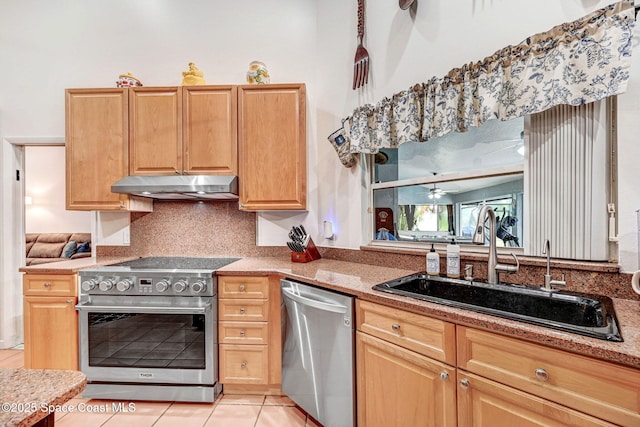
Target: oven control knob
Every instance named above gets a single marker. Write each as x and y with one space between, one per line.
162 285
180 286
89 285
198 286
125 284
106 284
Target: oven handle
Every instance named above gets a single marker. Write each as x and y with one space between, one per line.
143 310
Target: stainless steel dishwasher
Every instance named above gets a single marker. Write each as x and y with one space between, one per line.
318 362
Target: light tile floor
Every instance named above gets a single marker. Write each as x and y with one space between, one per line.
227 411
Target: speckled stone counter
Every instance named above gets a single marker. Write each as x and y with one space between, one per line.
358 279
72 266
28 395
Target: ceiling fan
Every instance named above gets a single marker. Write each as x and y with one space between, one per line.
435 192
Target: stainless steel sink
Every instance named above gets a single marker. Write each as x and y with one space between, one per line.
584 314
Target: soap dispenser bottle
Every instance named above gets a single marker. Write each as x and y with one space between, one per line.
433 262
453 260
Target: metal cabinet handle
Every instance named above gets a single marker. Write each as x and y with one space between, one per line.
242 310
444 376
464 383
69 301
242 333
541 374
47 285
177 171
395 327
243 365
242 288
184 172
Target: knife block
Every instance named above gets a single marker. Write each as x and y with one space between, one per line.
310 254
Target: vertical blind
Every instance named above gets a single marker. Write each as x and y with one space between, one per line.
567 181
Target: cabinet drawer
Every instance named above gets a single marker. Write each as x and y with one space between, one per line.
50 285
244 309
595 387
243 332
244 364
256 287
430 337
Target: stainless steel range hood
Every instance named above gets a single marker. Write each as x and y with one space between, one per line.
180 187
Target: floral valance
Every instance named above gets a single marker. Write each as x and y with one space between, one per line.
573 63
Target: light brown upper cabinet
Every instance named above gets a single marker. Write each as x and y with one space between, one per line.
97 150
187 130
210 130
155 131
272 147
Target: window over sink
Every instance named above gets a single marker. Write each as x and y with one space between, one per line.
548 175
430 192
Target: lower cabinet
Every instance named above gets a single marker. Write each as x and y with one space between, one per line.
485 403
398 387
406 377
595 387
402 378
249 334
50 322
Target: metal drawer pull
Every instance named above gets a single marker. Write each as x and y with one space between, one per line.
464 383
47 285
395 327
242 310
243 365
242 288
69 301
444 376
242 333
541 374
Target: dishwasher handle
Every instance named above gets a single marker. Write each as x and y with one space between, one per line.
320 305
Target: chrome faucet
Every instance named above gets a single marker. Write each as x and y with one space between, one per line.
493 267
549 283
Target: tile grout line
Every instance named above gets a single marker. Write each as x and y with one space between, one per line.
162 414
259 413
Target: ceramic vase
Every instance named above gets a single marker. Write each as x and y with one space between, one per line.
257 73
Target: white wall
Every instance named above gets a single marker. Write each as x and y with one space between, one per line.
44 181
408 47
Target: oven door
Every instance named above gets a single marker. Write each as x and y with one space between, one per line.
150 339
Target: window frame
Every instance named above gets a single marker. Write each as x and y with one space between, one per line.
369 237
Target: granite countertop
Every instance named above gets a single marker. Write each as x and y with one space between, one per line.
29 395
358 279
72 266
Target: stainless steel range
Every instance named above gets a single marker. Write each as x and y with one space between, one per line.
148 329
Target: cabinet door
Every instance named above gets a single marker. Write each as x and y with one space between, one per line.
96 148
484 403
50 333
210 123
155 131
272 147
397 387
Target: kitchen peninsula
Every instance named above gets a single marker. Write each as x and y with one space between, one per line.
31 396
